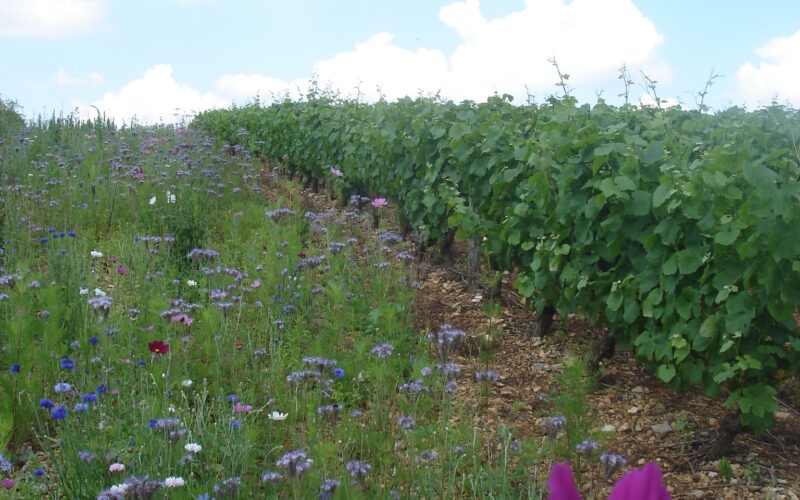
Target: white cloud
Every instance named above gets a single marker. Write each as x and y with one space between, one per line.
93 79
777 76
377 66
49 18
155 97
241 87
589 39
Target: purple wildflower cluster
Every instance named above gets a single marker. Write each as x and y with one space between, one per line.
295 463
554 424
133 487
358 470
487 376
322 365
198 253
445 341
303 376
415 388
171 427
383 350
406 422
280 213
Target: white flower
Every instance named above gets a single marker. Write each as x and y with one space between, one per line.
153 200
276 415
170 197
192 447
191 282
95 254
83 291
174 482
186 383
119 489
99 293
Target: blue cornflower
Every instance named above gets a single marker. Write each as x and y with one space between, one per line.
101 389
62 387
94 340
81 407
46 403
338 372
58 413
233 398
234 424
67 363
89 398
38 472
43 240
71 234
15 368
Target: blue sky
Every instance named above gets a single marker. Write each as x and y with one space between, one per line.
148 57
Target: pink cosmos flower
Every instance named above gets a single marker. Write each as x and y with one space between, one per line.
379 202
336 172
255 284
637 484
116 467
182 318
240 408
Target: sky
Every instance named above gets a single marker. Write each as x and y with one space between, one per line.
164 60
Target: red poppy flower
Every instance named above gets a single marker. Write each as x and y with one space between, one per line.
158 347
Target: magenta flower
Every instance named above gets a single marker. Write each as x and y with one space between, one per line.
9 483
561 484
379 202
121 270
639 483
336 172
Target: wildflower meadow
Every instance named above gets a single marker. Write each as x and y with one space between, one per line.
176 325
